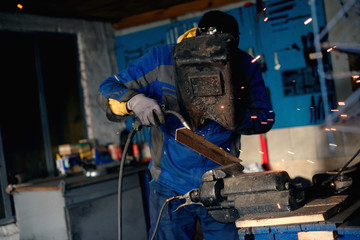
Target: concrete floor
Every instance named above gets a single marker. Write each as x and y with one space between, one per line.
9 232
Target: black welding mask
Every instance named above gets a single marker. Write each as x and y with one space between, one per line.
205 74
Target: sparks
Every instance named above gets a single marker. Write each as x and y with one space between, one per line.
278 205
329 49
261 152
343 115
355 77
265 19
289 152
310 161
334 110
222 107
264 123
19 6
332 144
308 21
253 117
255 59
341 103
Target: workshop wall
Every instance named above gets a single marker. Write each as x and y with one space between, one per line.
301 151
305 150
345 28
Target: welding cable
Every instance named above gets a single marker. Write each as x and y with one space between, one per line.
332 179
135 128
160 213
186 125
178 115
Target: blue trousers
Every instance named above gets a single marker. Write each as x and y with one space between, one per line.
182 224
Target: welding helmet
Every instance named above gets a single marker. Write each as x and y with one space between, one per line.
205 72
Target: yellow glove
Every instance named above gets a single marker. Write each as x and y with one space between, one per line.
118 108
187 34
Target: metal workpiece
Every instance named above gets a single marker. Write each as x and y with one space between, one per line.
205 80
205 147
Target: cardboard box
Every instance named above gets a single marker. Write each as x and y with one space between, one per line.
84 149
92 142
67 149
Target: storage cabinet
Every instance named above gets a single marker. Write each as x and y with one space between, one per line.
80 208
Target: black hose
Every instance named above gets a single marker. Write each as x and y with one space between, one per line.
178 115
344 167
135 128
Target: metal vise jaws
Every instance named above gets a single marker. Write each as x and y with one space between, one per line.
228 194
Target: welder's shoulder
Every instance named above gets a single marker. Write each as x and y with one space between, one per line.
244 56
247 64
163 54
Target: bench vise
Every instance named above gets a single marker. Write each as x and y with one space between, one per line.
228 194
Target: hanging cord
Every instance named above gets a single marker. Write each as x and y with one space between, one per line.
160 213
178 115
332 179
135 128
186 125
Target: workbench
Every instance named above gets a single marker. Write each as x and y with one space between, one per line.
325 218
81 207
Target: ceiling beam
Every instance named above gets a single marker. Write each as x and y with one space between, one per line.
171 12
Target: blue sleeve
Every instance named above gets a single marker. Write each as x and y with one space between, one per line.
139 77
259 116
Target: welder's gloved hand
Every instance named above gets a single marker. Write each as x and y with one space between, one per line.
118 108
147 110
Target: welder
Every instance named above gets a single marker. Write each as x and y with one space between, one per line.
151 83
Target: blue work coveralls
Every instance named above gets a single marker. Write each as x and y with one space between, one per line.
175 168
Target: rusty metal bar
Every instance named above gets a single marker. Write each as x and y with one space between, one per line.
205 147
